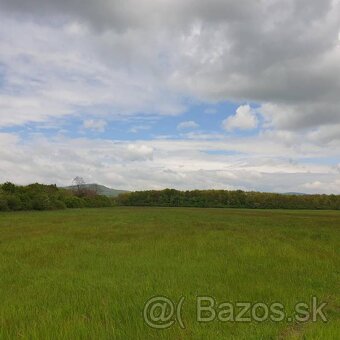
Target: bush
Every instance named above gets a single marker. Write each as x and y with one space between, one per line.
41 202
3 204
74 202
59 205
9 187
98 201
26 201
14 202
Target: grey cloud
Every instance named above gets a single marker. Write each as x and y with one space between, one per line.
326 134
122 15
280 52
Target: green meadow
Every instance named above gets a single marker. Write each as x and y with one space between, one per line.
88 273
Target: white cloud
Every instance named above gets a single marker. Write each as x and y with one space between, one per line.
96 125
321 187
52 73
136 152
249 164
190 124
244 119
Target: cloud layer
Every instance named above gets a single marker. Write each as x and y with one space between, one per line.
106 61
253 164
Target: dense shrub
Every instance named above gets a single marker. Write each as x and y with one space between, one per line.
47 197
3 204
41 201
97 201
9 187
14 202
74 202
57 204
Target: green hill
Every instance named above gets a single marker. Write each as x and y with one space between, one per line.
99 189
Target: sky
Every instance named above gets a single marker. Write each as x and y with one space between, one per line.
153 94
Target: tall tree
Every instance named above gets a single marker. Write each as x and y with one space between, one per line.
79 183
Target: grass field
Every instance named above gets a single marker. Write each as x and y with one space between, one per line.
87 274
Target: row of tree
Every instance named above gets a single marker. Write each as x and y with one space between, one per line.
228 199
48 197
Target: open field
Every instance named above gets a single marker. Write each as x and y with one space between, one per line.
87 274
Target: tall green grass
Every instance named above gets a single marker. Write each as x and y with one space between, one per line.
86 274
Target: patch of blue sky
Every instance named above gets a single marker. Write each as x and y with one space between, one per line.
223 152
2 75
28 130
320 160
209 118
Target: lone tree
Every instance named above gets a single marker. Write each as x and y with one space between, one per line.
82 189
79 183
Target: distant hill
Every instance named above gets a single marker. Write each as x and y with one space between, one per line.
99 189
295 193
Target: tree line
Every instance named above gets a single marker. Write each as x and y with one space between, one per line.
228 199
48 197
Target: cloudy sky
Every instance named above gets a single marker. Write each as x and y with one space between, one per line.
149 94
